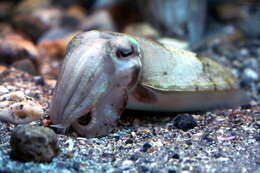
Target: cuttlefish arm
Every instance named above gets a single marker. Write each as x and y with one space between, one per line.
92 89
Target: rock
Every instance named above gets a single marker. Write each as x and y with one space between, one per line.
129 141
26 65
146 147
39 80
53 43
13 47
2 68
182 18
99 20
28 6
185 122
17 108
3 90
175 156
77 12
33 143
174 170
40 21
127 164
5 9
141 30
5 29
250 74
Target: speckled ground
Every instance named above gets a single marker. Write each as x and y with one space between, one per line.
223 141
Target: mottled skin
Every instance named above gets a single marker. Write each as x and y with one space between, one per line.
104 72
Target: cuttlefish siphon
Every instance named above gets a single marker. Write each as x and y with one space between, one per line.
105 72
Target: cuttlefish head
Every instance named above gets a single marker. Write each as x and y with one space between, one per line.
98 72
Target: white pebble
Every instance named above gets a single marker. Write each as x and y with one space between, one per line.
3 90
127 164
251 74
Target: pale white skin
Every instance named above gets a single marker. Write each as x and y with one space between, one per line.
104 72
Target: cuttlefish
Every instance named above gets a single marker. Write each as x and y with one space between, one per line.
105 72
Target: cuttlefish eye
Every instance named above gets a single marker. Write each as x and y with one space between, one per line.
123 47
124 52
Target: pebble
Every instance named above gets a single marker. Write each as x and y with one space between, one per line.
3 90
175 156
33 143
39 80
184 122
146 147
127 164
173 170
129 141
141 30
250 74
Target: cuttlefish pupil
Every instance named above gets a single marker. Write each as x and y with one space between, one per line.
103 72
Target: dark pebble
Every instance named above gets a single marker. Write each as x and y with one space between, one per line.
146 146
217 155
257 138
108 155
134 157
246 106
33 143
256 125
143 169
184 122
188 142
76 166
117 137
39 80
173 170
246 84
175 156
129 141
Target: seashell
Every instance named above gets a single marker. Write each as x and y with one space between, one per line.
17 108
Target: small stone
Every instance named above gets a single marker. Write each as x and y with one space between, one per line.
175 156
2 68
15 49
174 170
129 141
3 90
185 122
141 30
250 74
146 146
33 143
39 80
143 169
257 138
171 170
127 164
25 65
